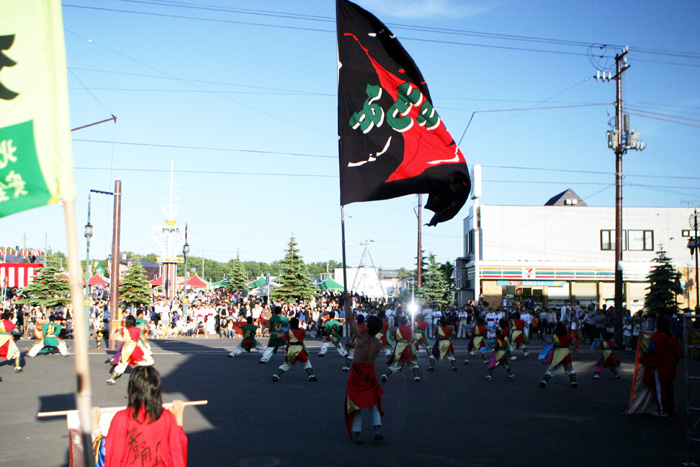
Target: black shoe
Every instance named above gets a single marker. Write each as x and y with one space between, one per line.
383 378
312 378
356 437
275 378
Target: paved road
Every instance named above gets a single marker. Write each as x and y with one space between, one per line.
449 418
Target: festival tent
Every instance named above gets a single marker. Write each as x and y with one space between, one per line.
330 284
256 283
221 283
157 282
97 280
196 282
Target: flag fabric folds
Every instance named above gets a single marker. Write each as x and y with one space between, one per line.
392 142
36 162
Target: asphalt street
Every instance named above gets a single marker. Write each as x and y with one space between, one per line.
448 418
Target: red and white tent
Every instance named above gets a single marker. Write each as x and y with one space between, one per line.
18 274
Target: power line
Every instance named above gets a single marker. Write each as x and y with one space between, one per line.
295 154
559 42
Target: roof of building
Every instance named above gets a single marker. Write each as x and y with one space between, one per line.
566 198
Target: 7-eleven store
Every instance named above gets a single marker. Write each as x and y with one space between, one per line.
563 252
550 286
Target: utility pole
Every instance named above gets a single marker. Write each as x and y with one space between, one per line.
419 258
619 140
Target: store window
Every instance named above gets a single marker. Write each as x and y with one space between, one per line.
641 240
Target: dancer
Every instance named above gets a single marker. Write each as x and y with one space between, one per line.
8 347
443 346
478 341
50 331
660 361
608 359
248 342
501 353
384 335
560 355
133 351
362 389
278 326
404 353
296 352
332 333
422 340
518 335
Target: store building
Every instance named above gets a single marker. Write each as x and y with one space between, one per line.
564 251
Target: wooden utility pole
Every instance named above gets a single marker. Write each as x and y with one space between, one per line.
114 316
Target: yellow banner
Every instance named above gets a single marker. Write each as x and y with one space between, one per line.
36 161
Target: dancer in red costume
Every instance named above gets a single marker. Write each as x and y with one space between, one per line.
363 390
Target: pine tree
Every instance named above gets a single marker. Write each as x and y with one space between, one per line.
238 281
49 288
435 289
134 289
295 282
664 286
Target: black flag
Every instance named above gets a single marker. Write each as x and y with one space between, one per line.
392 141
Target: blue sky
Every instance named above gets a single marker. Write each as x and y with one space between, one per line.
241 95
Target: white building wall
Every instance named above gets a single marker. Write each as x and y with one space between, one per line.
572 233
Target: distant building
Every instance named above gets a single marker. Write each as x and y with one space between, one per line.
564 252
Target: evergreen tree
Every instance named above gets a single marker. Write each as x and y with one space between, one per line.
134 288
294 280
665 284
49 288
238 280
435 289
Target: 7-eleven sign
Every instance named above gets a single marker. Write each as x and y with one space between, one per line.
529 273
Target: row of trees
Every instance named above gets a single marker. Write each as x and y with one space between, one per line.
50 288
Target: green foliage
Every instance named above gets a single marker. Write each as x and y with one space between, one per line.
237 272
294 280
665 284
436 289
403 272
134 289
49 288
320 268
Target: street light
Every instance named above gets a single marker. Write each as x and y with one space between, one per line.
185 251
88 236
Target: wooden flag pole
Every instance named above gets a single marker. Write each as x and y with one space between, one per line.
83 394
346 298
60 413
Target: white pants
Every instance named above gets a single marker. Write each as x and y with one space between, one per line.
62 348
462 329
147 361
326 345
286 366
357 421
239 350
